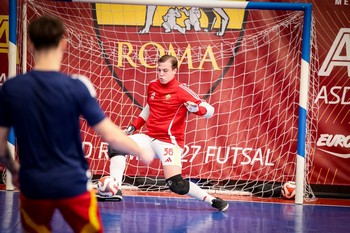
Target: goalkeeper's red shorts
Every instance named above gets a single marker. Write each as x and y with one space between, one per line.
81 213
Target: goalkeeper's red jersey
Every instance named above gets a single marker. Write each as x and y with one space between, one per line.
166 116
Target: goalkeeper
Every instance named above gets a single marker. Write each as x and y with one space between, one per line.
168 102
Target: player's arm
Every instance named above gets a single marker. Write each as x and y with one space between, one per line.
96 118
200 108
194 104
139 121
116 138
5 123
5 157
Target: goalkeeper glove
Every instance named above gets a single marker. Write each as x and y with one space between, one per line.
191 106
129 130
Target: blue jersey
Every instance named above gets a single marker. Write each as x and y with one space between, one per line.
44 108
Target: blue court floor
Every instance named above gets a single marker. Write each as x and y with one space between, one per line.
138 214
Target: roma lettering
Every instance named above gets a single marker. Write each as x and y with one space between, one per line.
127 54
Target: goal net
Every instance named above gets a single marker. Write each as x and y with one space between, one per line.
246 63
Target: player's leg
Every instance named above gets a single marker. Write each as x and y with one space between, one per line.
170 156
82 212
118 163
36 214
180 186
116 170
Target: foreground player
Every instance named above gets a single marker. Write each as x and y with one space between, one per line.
168 102
44 107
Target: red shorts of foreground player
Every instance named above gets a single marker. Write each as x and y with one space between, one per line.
79 212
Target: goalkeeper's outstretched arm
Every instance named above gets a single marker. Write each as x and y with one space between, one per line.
139 121
202 109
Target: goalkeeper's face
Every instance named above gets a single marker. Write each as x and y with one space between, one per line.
165 72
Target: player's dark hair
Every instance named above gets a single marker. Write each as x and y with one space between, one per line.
46 32
172 59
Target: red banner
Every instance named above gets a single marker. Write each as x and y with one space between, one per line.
332 159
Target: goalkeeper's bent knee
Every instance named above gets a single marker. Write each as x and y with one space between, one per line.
178 185
112 152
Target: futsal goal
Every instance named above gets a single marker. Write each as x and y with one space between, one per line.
253 61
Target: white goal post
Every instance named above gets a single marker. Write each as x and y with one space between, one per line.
252 61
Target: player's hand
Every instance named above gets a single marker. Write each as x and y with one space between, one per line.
129 130
191 106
